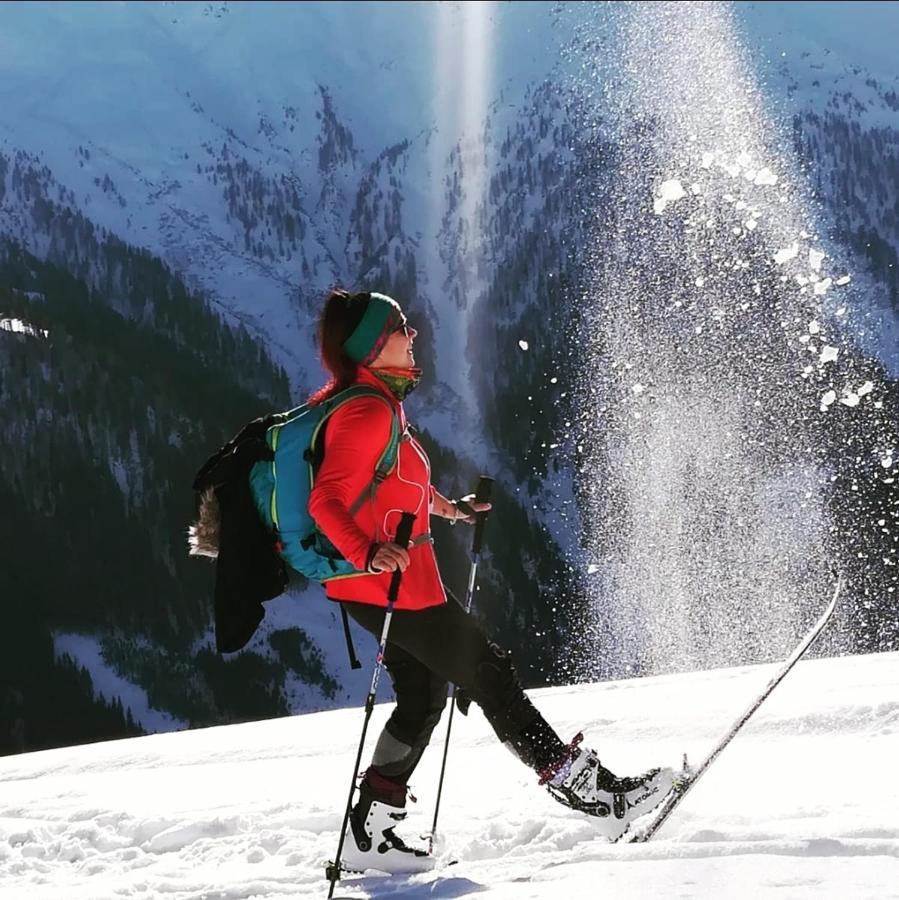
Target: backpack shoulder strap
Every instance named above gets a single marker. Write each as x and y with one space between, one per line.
387 459
385 465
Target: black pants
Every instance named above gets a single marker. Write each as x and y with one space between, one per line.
425 651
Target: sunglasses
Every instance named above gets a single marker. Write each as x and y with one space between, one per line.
404 327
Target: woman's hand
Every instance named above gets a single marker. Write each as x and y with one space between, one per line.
389 558
467 510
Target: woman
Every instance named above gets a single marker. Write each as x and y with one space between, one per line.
366 339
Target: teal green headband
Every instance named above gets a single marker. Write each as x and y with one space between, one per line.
382 316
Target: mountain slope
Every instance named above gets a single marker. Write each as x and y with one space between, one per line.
254 809
249 156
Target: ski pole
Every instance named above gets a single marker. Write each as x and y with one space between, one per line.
482 495
403 533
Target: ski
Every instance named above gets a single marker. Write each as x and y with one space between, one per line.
688 778
344 869
350 874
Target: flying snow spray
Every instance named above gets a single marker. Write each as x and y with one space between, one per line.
718 385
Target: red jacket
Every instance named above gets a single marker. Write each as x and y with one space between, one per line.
355 437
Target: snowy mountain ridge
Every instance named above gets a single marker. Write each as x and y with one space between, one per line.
298 145
236 143
259 202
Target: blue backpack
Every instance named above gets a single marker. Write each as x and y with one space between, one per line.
252 515
282 484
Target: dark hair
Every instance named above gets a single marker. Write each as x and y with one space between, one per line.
343 311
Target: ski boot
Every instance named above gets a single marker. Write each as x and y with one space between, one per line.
371 842
580 782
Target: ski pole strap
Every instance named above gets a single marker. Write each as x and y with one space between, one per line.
350 649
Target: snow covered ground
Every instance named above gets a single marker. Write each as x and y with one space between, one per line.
804 803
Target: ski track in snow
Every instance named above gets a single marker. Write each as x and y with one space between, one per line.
802 804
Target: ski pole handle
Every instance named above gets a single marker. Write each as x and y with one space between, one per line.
403 535
482 495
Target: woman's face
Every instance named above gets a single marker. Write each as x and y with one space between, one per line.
397 352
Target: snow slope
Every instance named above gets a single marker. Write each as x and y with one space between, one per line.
802 804
129 105
133 107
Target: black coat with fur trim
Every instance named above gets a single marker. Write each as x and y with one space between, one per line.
249 570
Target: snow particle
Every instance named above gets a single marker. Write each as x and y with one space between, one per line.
787 253
822 286
523 344
670 191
